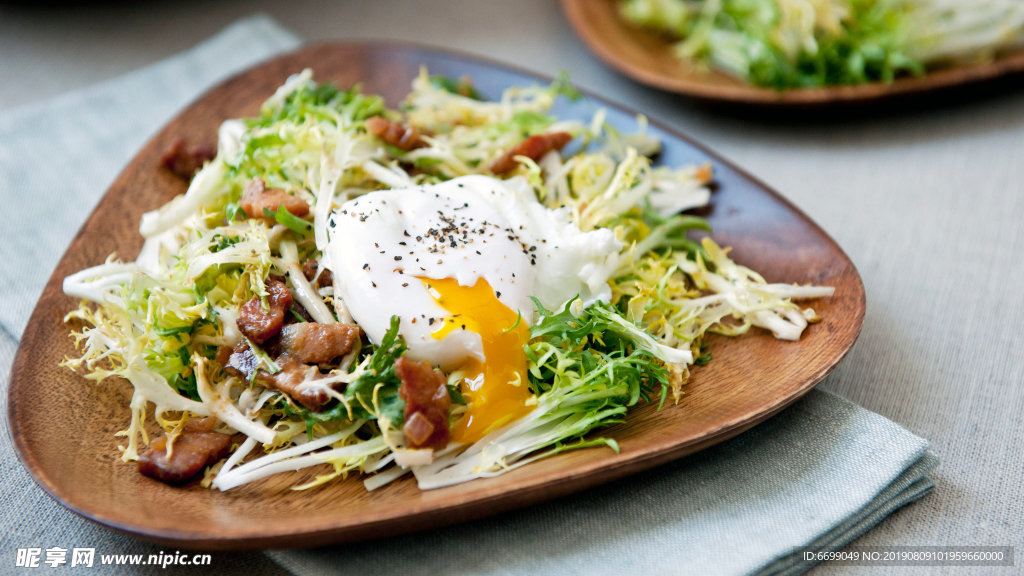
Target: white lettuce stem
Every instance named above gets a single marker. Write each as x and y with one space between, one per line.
304 291
206 185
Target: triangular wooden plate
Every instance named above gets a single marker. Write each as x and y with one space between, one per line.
63 426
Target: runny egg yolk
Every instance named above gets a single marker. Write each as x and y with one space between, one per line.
497 390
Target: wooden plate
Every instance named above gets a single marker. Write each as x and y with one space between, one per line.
63 426
648 58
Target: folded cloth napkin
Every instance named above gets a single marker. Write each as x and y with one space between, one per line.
813 478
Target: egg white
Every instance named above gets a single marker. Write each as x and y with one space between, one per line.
466 228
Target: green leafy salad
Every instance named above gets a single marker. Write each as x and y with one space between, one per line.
450 289
807 43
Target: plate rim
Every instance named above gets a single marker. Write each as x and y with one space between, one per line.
534 493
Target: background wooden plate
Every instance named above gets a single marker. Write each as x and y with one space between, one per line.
63 426
647 58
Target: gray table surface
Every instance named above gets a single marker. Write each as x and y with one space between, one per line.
925 198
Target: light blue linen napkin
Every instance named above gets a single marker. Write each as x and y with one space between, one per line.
815 477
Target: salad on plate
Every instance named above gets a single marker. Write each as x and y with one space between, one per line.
791 44
451 289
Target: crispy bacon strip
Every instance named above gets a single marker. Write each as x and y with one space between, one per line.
312 343
257 198
426 404
302 345
292 374
534 148
197 447
395 133
241 362
259 325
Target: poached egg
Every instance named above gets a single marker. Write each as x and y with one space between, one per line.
458 262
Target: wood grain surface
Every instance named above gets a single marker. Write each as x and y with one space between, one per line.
63 426
647 58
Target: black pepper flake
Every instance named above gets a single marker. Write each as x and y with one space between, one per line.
366 266
430 321
406 285
373 283
397 258
498 294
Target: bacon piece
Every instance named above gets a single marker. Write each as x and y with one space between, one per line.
418 429
184 159
313 343
197 447
309 268
239 360
260 326
257 198
292 374
395 133
534 148
243 363
426 404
